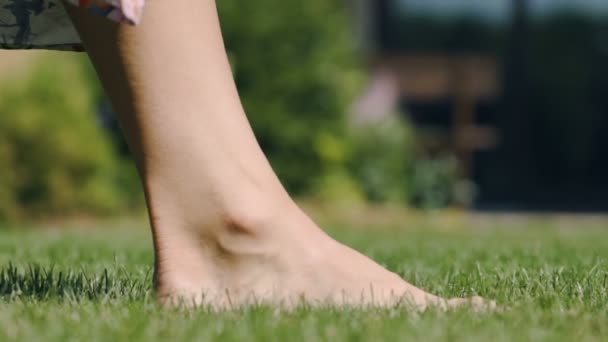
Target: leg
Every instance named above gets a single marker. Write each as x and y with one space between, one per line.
225 231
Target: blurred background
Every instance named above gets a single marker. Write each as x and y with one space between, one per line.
494 105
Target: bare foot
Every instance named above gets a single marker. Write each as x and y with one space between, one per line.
252 261
226 233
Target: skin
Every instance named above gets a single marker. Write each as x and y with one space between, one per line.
226 233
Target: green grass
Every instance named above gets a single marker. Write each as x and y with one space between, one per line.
93 284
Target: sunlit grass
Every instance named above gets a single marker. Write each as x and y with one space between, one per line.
95 284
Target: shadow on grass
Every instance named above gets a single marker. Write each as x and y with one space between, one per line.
46 283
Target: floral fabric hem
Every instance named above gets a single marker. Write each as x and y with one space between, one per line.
44 24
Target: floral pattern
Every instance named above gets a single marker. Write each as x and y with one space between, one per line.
44 24
120 10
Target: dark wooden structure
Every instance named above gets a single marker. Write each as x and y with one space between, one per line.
484 107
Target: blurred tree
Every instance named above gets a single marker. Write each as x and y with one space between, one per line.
383 160
55 160
296 70
298 74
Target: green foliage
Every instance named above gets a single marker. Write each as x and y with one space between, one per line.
337 184
296 71
433 182
381 159
54 157
385 164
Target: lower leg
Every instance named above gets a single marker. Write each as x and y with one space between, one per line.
171 85
224 227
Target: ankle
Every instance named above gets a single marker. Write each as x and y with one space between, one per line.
224 235
248 211
249 225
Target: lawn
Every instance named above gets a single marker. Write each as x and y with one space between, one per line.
92 283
